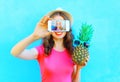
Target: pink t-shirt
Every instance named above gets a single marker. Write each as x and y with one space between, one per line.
57 67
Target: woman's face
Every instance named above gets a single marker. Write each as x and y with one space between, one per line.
59 25
58 35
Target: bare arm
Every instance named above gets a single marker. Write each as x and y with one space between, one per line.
19 47
76 74
28 54
40 31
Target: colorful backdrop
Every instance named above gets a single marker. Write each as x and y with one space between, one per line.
18 19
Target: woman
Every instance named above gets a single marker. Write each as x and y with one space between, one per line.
54 55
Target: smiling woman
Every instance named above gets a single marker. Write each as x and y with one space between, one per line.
19 17
55 54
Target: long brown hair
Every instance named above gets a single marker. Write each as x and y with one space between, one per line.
48 41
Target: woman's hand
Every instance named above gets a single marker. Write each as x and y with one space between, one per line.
84 64
76 71
41 30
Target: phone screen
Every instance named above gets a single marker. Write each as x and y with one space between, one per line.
58 25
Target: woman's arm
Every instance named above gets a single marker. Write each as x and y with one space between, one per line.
77 69
76 73
19 47
39 32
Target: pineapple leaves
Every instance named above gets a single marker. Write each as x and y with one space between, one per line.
86 32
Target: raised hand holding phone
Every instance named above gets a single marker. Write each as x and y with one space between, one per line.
41 30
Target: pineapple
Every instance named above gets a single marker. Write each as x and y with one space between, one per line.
81 53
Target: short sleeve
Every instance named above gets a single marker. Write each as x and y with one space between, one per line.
40 50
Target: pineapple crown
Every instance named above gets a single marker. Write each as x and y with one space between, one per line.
85 35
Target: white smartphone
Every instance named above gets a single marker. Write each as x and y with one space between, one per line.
58 25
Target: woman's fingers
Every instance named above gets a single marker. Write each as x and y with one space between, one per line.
45 19
87 59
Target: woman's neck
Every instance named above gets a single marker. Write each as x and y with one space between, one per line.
58 44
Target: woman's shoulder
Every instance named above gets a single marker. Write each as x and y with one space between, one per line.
40 49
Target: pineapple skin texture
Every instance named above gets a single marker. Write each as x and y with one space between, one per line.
80 55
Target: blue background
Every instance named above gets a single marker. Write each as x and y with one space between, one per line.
18 19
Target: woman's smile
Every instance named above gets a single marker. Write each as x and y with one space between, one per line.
58 33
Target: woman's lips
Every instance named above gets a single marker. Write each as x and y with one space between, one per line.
58 33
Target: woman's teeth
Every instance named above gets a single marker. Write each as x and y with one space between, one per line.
58 33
